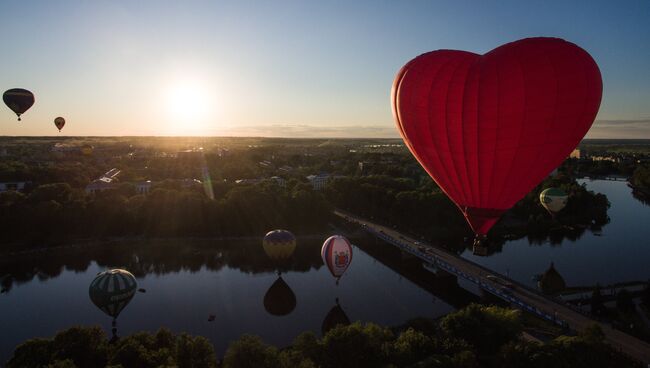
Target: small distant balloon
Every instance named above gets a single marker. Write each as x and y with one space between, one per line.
553 199
86 150
337 255
279 244
59 123
112 290
18 100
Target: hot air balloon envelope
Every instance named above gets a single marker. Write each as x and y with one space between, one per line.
279 244
553 199
59 123
87 150
337 254
112 290
18 100
488 128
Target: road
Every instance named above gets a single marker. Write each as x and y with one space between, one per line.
520 295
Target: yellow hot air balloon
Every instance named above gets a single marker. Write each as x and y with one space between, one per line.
86 150
279 244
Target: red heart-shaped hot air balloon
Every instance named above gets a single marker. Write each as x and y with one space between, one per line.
488 128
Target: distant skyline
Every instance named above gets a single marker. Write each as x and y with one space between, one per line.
284 68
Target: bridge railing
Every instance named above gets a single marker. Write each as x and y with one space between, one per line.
452 269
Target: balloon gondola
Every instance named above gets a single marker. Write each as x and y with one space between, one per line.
111 291
18 100
488 128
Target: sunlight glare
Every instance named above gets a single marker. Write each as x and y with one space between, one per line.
190 106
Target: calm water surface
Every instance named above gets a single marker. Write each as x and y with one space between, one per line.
185 284
187 281
621 253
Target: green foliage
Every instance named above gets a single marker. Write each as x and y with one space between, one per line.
641 177
89 347
355 345
477 336
56 212
486 328
250 352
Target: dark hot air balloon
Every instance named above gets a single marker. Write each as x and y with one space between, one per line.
488 128
18 100
59 123
112 290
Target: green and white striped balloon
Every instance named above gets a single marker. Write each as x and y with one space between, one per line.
112 290
553 199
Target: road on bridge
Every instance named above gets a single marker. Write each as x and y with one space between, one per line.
627 344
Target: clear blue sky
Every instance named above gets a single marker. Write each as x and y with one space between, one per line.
291 68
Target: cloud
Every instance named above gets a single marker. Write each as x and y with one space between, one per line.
610 129
309 131
623 129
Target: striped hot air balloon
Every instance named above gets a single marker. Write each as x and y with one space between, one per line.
279 244
553 199
337 255
112 290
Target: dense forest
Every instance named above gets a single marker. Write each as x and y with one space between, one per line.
377 179
476 336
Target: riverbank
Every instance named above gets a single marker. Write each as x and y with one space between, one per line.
88 243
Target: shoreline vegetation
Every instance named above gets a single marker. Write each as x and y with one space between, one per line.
475 336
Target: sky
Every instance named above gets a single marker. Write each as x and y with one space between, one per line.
284 68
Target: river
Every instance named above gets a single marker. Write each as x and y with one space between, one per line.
187 281
619 253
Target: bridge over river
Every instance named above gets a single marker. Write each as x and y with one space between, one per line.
519 295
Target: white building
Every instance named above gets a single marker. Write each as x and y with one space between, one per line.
17 186
105 182
318 181
143 187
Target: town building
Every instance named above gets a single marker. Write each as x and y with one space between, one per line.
17 186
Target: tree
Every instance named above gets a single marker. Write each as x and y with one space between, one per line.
250 352
597 306
485 328
624 301
59 192
355 345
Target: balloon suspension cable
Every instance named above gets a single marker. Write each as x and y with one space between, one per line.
337 300
337 281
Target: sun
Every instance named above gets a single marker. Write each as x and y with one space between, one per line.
190 105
